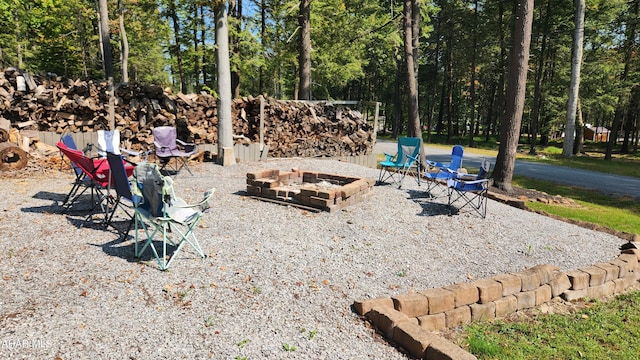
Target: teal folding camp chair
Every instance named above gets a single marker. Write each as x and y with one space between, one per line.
470 190
405 161
161 213
438 173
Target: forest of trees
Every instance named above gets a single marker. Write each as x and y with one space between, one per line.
357 53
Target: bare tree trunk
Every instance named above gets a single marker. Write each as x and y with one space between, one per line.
579 143
225 129
196 60
178 52
574 88
263 32
537 92
235 74
622 98
397 103
516 90
125 44
413 128
304 59
472 91
107 58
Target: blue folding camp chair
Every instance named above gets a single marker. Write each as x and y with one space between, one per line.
471 190
161 213
405 161
438 173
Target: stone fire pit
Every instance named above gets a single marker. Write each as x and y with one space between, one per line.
308 189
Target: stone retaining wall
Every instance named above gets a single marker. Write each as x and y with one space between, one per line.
410 319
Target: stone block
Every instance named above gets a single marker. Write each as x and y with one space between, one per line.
440 300
579 280
572 295
411 304
511 284
506 306
622 284
433 322
635 252
530 279
483 312
612 271
362 307
458 316
412 338
385 319
596 275
464 293
559 284
488 290
546 272
601 291
526 299
631 259
623 267
443 349
543 294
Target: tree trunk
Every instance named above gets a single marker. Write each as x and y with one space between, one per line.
413 128
537 92
107 58
579 143
125 44
196 59
629 49
574 87
398 120
304 56
178 52
235 74
263 32
225 126
516 90
472 91
105 41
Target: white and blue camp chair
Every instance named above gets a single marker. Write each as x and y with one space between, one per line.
405 161
161 213
470 190
438 173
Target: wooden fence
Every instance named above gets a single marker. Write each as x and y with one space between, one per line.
244 153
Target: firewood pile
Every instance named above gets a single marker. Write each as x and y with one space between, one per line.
47 102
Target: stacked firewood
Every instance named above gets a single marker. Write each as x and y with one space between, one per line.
48 102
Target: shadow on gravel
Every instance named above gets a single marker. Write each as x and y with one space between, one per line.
429 207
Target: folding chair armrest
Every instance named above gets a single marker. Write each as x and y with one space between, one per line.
389 157
188 147
437 164
144 155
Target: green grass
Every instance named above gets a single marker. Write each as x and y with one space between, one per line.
602 330
618 213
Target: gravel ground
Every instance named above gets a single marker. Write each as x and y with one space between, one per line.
279 281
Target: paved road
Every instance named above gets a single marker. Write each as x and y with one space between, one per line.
603 182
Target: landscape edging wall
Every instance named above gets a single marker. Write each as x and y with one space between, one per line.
410 319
